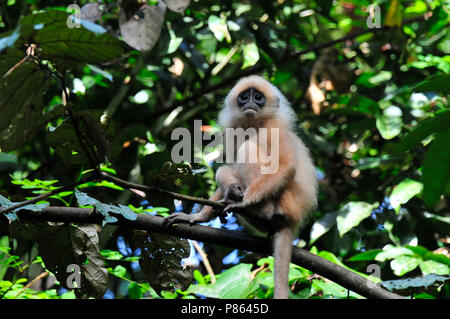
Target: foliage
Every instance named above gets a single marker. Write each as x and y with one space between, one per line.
106 85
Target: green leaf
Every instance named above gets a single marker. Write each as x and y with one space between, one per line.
161 261
233 283
105 209
351 214
111 254
365 256
425 128
404 264
424 281
12 216
250 53
332 289
21 91
434 267
438 83
391 252
403 192
390 123
436 168
219 28
65 46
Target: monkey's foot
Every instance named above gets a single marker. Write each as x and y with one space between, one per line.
182 218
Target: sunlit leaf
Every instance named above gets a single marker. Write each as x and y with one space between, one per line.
390 122
404 191
351 214
251 54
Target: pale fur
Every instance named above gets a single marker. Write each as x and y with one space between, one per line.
290 191
293 195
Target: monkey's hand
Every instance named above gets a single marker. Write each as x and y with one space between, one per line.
233 194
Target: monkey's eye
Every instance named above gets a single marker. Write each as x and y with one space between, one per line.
243 98
258 97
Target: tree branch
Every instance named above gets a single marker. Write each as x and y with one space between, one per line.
158 191
40 197
234 239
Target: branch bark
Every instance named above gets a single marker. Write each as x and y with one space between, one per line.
234 239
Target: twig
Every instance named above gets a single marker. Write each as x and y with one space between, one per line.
28 285
40 197
205 260
159 191
234 239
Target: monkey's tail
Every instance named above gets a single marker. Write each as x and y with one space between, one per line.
282 257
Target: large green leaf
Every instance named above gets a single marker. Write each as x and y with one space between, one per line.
66 245
66 46
390 122
21 89
437 83
351 214
425 128
404 191
161 261
404 264
233 283
436 168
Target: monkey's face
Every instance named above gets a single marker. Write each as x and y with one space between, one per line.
251 101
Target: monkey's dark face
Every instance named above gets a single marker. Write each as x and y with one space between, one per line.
251 100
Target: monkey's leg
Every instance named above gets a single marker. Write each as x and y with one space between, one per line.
264 187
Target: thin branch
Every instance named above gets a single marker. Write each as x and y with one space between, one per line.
28 285
158 191
233 239
41 197
205 260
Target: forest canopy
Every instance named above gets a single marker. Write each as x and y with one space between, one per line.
91 93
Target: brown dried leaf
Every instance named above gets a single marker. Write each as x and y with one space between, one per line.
141 29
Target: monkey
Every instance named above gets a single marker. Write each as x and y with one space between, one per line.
327 74
282 197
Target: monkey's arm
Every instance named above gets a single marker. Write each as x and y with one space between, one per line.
206 214
229 191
